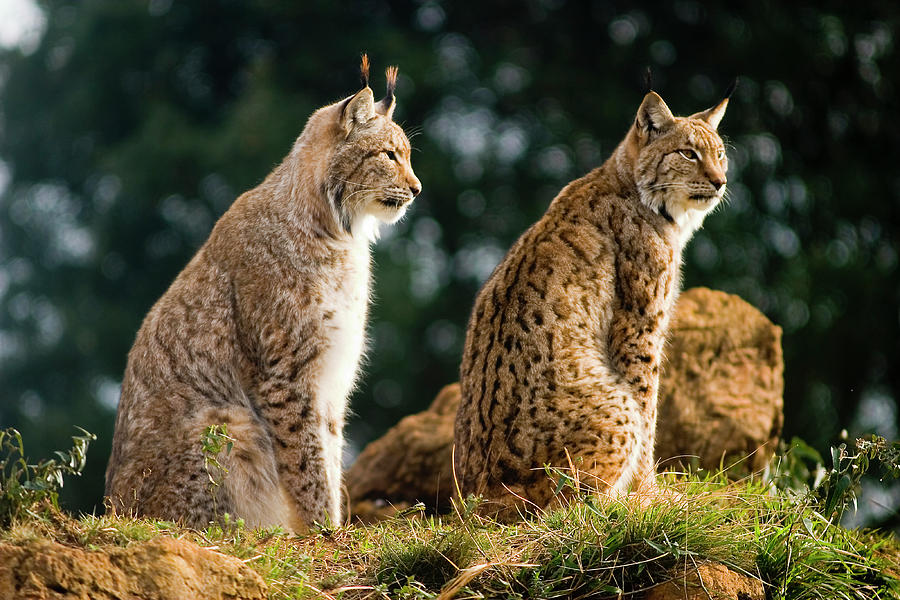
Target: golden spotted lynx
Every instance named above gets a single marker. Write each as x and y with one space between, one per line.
263 331
565 341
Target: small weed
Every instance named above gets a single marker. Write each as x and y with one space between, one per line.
213 441
800 470
24 486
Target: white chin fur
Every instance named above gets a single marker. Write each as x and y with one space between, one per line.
689 214
391 216
386 214
366 226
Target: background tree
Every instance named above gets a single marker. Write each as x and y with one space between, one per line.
132 125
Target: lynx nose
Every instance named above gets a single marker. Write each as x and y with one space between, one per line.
415 187
716 176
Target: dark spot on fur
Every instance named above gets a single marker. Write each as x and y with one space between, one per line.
523 324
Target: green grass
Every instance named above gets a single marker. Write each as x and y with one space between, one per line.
770 528
586 549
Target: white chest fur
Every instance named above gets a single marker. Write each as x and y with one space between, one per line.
347 300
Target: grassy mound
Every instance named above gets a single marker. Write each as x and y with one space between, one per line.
587 548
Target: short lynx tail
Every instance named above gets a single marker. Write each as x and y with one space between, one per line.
364 70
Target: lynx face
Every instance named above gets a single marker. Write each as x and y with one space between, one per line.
373 164
681 163
370 173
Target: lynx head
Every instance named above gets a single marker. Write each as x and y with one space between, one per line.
679 162
369 174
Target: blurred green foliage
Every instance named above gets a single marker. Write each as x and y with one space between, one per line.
131 126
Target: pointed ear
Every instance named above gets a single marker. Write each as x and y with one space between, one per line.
653 116
713 115
358 109
389 102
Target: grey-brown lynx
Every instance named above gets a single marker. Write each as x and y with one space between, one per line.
565 341
263 331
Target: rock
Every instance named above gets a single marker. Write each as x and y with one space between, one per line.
722 384
410 462
720 401
709 581
160 569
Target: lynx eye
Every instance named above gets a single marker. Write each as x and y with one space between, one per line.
721 155
688 154
391 155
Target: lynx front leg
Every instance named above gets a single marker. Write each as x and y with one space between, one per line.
306 437
283 343
636 347
304 442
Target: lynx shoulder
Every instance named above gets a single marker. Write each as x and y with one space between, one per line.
263 331
562 354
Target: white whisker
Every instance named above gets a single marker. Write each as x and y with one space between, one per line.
350 182
668 186
351 194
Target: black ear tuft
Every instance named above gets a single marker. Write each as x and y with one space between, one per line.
387 104
391 74
732 87
648 80
364 70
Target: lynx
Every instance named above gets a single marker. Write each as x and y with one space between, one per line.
263 332
563 349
